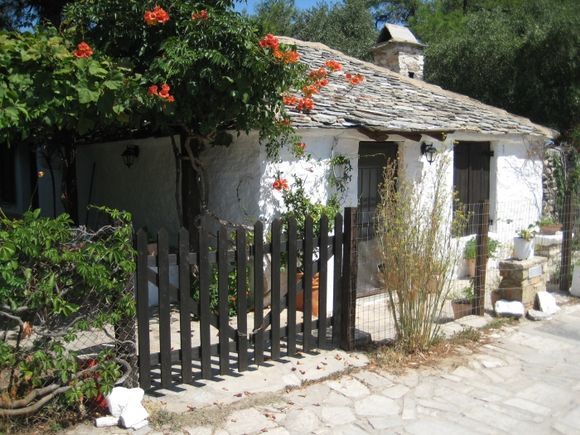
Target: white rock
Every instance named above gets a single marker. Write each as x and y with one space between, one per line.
509 308
120 397
538 315
133 414
107 421
546 303
140 425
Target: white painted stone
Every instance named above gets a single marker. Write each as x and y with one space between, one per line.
376 406
276 431
372 379
337 415
247 421
538 315
529 406
380 423
509 308
301 421
200 430
133 414
409 409
106 421
396 392
291 380
431 426
349 387
547 303
464 372
121 397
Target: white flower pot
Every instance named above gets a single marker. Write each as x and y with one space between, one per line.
523 249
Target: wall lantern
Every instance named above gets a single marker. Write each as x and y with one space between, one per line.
130 155
428 150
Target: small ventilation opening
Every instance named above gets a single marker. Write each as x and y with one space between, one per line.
411 74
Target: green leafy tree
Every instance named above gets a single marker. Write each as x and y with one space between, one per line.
52 94
347 26
521 56
277 16
57 281
211 59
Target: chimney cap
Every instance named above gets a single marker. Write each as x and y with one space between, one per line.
396 33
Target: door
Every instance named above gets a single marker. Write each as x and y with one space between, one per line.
471 177
373 157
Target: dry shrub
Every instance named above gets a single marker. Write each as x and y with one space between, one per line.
415 227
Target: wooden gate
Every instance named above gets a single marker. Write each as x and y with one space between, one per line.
227 274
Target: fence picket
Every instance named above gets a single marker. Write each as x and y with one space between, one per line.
307 284
143 311
336 279
185 303
164 313
275 290
266 328
323 279
223 299
292 258
204 300
258 293
242 303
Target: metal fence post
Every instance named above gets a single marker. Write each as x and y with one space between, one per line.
481 259
348 288
566 260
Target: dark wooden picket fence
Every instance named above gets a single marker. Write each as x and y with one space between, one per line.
267 338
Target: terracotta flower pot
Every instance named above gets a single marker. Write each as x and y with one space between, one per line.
300 294
550 229
461 308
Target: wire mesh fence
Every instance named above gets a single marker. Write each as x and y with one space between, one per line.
494 262
67 321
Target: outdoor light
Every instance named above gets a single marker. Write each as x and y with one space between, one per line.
428 150
130 155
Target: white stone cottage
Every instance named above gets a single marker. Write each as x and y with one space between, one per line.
494 155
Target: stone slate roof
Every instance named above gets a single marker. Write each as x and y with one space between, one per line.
390 102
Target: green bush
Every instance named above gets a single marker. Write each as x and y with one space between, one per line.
57 281
470 250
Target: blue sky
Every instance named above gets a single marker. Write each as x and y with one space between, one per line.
250 5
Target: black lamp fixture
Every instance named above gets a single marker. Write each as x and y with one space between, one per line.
130 155
428 150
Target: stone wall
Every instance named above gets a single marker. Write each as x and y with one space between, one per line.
521 280
401 58
549 204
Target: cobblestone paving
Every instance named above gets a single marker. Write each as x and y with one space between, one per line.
526 380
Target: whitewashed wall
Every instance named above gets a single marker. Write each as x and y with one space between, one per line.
146 189
240 177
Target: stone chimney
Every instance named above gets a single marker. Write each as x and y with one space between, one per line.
400 51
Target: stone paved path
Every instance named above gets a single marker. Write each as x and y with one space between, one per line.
526 381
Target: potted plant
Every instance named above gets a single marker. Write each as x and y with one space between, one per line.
463 303
524 243
470 253
548 225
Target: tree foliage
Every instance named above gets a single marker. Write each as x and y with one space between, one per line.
47 92
219 74
521 56
55 282
347 26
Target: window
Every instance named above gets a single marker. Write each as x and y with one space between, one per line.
7 175
471 176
